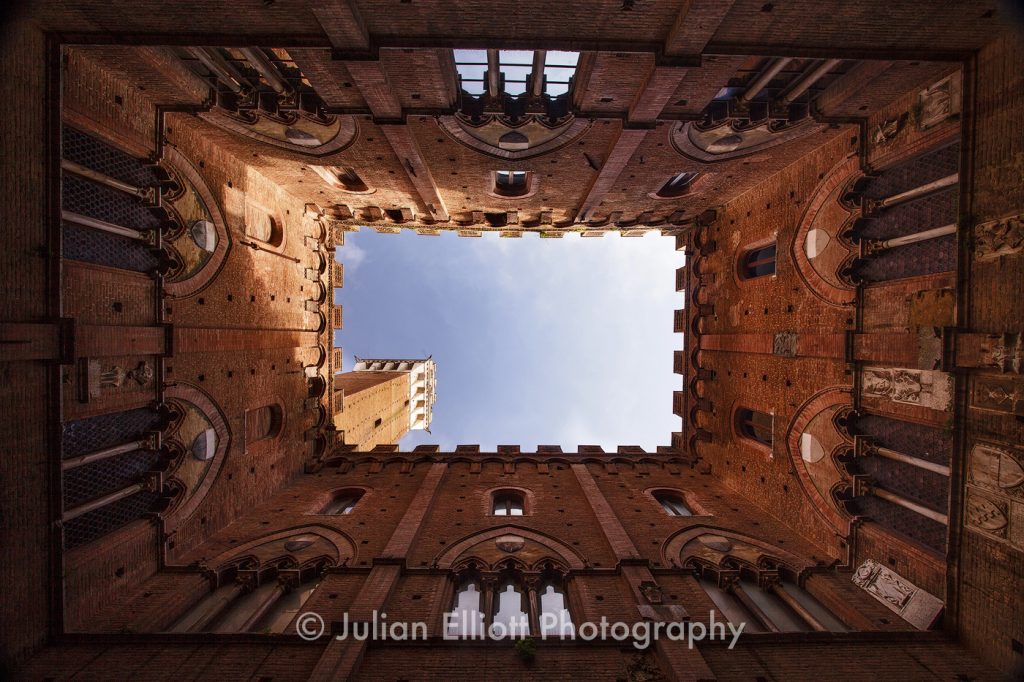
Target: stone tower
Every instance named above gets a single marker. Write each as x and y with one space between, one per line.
383 399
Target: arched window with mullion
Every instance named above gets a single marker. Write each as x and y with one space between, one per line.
507 503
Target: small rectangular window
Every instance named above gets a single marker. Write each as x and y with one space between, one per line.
758 262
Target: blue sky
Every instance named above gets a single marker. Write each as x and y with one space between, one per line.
537 341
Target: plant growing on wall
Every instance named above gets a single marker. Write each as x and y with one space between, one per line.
526 650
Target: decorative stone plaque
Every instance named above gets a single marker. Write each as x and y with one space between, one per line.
910 602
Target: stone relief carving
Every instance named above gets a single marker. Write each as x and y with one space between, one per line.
887 131
986 514
1004 352
917 607
100 376
785 344
997 238
995 493
913 387
998 394
997 469
510 543
939 102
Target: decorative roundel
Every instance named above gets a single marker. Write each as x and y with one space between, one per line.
299 542
716 542
510 543
204 234
204 445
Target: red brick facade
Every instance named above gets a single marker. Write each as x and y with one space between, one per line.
850 386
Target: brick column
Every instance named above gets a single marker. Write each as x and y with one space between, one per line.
679 662
341 658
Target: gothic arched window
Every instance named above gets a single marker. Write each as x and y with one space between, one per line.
510 610
769 604
467 615
268 607
555 618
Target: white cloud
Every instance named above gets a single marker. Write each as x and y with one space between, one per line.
352 255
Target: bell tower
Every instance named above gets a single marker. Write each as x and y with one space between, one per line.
383 399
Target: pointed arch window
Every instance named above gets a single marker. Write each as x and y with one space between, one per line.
672 503
510 610
467 616
758 262
555 619
754 425
507 503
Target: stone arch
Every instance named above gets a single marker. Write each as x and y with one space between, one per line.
674 546
485 138
187 505
828 216
560 550
180 165
338 132
818 475
341 547
696 142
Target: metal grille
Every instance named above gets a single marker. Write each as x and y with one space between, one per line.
911 524
99 156
931 211
99 522
90 481
920 171
103 248
103 203
934 445
107 430
922 258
